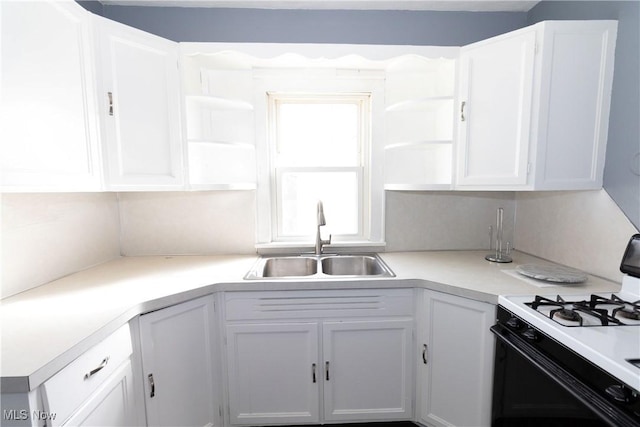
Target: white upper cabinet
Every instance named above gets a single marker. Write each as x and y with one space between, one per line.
140 108
496 84
534 107
48 129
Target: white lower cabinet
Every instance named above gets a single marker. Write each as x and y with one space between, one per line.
455 369
110 404
178 365
96 389
366 369
319 356
273 373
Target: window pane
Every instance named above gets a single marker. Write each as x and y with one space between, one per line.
300 192
318 134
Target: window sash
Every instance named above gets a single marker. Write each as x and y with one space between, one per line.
278 217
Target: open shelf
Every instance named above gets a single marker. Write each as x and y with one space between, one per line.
217 103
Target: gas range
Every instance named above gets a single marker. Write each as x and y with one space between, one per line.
602 328
570 359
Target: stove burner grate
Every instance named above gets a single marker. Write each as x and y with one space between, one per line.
601 311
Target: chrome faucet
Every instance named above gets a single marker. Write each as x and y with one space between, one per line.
321 221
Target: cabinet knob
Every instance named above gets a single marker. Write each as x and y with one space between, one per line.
313 372
326 370
424 353
462 116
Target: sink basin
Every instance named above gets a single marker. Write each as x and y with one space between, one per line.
289 266
353 265
319 266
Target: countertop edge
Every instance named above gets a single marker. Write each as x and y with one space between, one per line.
23 384
406 279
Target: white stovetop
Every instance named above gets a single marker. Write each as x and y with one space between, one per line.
609 347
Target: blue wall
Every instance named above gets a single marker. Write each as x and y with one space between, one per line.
316 26
624 121
426 28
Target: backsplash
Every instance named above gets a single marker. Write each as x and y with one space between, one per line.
48 236
443 220
582 229
187 223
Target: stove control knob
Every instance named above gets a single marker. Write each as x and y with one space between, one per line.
620 393
515 323
531 335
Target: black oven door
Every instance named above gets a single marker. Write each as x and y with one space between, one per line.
531 389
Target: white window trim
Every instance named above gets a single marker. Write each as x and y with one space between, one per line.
362 170
372 233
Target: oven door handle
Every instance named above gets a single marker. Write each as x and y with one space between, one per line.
594 401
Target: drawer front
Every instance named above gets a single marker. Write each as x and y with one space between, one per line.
65 391
318 304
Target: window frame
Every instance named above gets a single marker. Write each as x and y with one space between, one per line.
318 80
361 169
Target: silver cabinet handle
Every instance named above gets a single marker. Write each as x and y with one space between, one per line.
99 368
462 105
152 386
110 96
313 372
326 370
424 354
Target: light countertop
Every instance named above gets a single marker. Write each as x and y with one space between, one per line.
44 329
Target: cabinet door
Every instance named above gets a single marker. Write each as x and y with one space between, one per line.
140 103
367 370
455 365
111 404
178 365
273 373
575 98
48 120
494 117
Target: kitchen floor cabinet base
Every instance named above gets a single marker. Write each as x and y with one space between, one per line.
178 365
319 356
455 366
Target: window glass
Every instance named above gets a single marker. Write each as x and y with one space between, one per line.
318 156
318 134
300 192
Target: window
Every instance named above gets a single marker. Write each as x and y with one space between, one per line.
319 151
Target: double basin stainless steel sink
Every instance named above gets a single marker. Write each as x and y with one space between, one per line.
315 266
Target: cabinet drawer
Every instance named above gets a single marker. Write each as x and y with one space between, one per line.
318 304
65 391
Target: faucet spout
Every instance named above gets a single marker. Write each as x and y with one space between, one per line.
321 221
